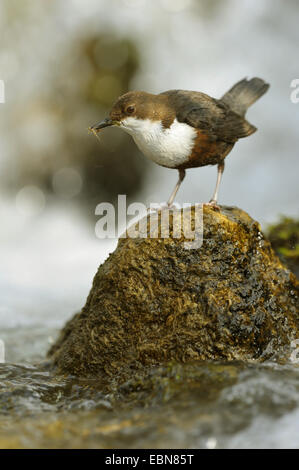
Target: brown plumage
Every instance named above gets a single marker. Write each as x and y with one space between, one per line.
212 126
218 126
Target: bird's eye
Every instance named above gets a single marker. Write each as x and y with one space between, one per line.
130 109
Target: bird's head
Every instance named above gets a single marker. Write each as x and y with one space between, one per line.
132 108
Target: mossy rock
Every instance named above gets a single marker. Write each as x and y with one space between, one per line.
284 238
154 301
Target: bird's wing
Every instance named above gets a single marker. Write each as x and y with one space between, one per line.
209 115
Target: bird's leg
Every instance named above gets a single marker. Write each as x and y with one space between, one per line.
214 199
182 174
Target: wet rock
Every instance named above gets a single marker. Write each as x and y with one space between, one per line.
284 238
154 301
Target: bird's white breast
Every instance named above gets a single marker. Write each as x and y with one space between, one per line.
168 147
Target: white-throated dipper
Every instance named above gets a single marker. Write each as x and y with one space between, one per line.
186 129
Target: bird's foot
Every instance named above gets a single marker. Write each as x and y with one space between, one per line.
172 206
213 204
162 206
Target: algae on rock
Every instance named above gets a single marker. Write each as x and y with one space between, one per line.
284 238
153 301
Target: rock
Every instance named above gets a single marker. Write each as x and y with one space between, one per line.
284 238
155 301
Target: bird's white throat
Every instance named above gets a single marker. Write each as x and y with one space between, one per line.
168 147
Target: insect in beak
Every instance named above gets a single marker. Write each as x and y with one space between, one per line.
106 123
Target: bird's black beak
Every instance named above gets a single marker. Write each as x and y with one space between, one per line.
107 122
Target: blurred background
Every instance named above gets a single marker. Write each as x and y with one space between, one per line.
63 64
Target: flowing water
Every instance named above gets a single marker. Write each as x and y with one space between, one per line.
223 406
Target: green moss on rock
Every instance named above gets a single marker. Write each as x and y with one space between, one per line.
154 301
284 238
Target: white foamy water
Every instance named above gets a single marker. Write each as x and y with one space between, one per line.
47 265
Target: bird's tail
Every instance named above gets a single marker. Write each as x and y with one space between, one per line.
244 93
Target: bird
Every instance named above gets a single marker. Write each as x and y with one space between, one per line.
183 129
